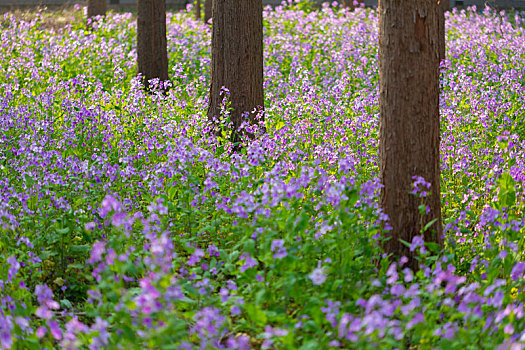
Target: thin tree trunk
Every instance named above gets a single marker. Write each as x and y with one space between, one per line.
152 53
237 60
409 54
96 8
208 4
350 3
197 10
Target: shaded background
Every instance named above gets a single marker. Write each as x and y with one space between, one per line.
180 4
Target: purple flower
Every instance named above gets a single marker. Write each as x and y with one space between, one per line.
158 206
97 250
6 331
45 296
279 249
318 276
409 276
392 274
269 333
173 293
235 310
196 257
418 242
118 219
101 340
517 271
509 328
14 266
208 326
241 342
281 253
108 205
277 243
55 330
23 323
417 318
43 312
489 215
249 262
224 293
420 186
41 331
334 343
73 327
213 250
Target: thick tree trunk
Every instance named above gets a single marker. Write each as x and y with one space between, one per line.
237 60
208 4
152 53
409 54
445 4
96 8
197 10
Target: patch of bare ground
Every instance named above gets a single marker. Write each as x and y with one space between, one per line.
56 17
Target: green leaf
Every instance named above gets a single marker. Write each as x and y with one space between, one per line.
29 180
76 266
80 248
427 226
63 231
256 315
433 247
302 223
507 191
66 304
260 297
128 333
405 243
353 196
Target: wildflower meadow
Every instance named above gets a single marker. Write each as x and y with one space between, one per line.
125 223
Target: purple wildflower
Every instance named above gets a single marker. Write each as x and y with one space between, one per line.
318 276
518 271
249 262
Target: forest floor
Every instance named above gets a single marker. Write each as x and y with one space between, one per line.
125 223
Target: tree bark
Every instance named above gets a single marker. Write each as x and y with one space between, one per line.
96 8
237 60
208 4
445 4
152 53
409 55
197 10
350 3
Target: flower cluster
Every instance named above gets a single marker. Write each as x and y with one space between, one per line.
128 220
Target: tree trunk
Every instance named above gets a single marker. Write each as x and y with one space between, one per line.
350 3
237 60
96 8
152 53
207 10
409 54
197 10
445 4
